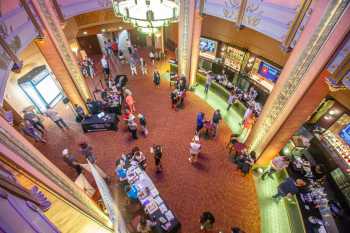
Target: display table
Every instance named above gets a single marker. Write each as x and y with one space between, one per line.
94 123
152 202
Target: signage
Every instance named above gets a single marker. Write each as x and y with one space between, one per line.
268 71
207 48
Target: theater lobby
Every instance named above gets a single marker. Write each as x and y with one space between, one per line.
174 116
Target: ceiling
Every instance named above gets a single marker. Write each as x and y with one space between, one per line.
270 17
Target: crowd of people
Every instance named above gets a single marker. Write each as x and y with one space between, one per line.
118 98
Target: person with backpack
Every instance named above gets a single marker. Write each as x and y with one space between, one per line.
157 152
206 220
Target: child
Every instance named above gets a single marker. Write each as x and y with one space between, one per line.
142 120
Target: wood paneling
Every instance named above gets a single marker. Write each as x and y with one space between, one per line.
90 45
343 97
258 43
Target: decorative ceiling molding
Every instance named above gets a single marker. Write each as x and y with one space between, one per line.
296 25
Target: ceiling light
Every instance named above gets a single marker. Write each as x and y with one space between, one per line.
147 15
103 30
333 112
120 28
85 33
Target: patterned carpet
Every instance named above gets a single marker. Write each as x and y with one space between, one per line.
211 185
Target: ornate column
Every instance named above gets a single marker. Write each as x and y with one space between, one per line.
326 29
46 12
196 35
19 150
186 18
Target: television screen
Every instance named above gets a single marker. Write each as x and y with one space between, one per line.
207 48
268 71
345 134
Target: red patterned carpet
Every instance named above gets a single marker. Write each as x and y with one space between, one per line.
213 184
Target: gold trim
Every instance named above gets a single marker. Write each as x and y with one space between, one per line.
329 20
241 12
298 19
63 48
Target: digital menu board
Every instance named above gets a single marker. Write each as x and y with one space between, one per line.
268 71
345 134
208 48
233 57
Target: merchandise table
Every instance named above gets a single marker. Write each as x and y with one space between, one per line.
95 123
152 202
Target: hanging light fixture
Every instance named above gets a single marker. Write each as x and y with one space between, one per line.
147 15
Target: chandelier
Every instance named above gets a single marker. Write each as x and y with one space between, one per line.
147 15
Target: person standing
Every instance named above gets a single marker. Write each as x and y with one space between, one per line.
208 82
130 102
151 56
288 188
157 152
156 78
143 66
132 126
145 225
53 115
143 124
34 119
105 67
115 47
31 131
80 114
277 164
231 99
87 152
128 43
200 122
133 68
195 148
206 220
70 160
216 120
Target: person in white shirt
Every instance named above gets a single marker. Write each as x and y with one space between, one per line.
143 66
133 67
231 99
105 67
195 148
53 115
151 56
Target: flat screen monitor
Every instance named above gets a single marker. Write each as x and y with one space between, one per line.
345 134
208 48
268 71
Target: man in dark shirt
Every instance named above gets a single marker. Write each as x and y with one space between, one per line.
288 188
